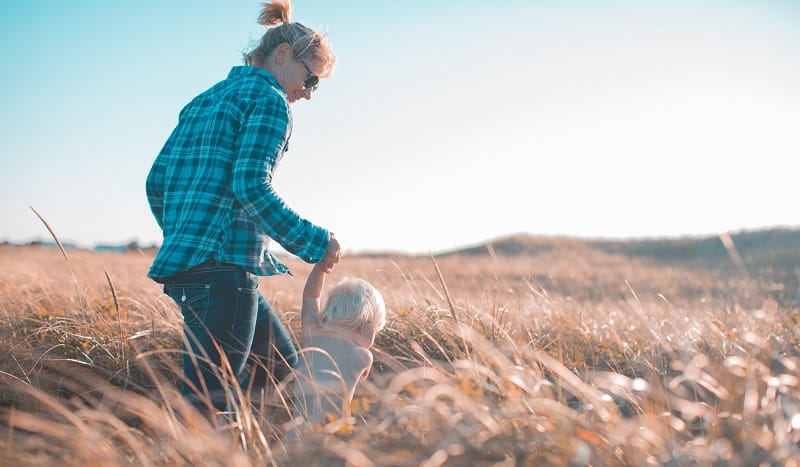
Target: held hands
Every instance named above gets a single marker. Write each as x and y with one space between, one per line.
316 280
332 255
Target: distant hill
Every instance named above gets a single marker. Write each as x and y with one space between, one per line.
777 249
760 248
772 253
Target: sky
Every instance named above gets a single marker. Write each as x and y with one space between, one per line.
445 123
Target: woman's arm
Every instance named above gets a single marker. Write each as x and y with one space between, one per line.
154 187
259 145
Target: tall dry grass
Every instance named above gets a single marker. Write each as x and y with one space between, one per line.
567 358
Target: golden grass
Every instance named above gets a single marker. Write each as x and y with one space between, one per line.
567 358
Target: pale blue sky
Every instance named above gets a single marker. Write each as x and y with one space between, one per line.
446 123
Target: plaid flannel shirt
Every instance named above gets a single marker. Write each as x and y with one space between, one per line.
210 187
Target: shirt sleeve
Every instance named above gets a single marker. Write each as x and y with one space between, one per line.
259 143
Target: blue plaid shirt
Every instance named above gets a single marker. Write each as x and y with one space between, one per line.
210 188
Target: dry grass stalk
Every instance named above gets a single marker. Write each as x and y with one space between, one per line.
537 370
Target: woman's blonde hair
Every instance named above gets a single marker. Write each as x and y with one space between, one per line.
352 303
304 41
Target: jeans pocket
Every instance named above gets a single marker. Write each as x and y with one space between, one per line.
194 300
246 299
247 282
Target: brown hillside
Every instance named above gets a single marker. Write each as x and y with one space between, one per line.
770 257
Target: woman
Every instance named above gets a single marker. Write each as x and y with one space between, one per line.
210 191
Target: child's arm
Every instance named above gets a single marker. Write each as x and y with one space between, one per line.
315 283
312 293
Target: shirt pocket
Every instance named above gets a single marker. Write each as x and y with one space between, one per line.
194 300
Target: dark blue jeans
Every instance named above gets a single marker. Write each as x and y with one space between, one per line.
223 308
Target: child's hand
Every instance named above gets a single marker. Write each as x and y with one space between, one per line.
332 255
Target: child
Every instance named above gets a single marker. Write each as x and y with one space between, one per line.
335 352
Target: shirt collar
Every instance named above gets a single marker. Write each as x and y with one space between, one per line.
246 70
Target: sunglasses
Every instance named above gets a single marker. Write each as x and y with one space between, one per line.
312 80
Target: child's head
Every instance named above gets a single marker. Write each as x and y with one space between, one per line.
354 304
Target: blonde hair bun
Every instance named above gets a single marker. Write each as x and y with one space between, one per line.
274 12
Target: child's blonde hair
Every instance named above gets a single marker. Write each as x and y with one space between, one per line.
354 303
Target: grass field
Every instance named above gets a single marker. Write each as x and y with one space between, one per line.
570 357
